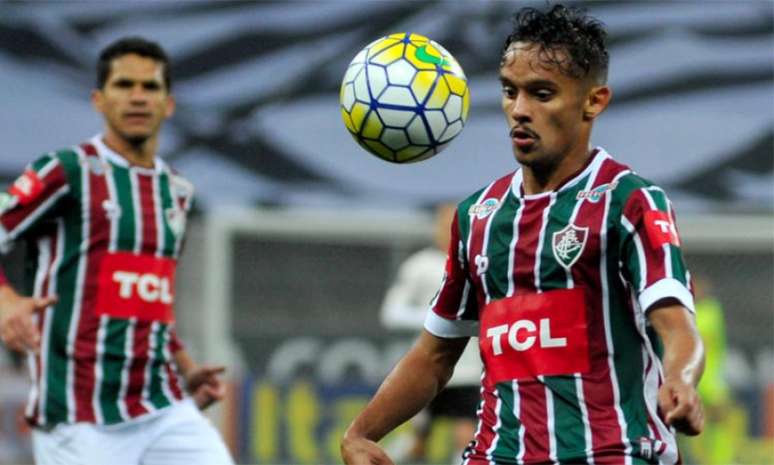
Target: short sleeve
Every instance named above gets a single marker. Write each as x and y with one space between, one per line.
454 310
651 252
31 199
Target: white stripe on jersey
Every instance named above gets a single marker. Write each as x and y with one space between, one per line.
512 248
43 172
640 252
128 354
145 395
158 207
48 321
495 428
98 374
167 358
75 316
134 183
44 260
522 429
541 241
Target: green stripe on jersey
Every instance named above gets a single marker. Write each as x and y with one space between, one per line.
498 247
112 365
167 203
56 376
568 420
42 161
126 222
507 446
156 392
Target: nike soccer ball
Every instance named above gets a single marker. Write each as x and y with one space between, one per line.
404 98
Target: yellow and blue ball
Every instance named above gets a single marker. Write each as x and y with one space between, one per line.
404 98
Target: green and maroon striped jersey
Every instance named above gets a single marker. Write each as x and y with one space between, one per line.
105 237
557 287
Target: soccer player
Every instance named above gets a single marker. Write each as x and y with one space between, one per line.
105 222
570 272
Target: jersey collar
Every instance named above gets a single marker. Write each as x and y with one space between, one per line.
115 158
598 156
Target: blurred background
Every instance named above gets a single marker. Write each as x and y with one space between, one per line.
298 233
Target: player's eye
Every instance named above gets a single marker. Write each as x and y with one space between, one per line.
508 91
543 94
123 84
153 85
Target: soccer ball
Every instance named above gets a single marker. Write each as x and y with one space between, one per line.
404 98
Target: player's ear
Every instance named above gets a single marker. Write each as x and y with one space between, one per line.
170 106
97 100
597 100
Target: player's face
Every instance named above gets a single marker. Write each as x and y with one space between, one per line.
544 108
134 100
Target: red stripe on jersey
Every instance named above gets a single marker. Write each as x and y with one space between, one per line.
450 294
533 413
141 343
149 232
88 324
477 234
598 389
655 259
52 182
530 225
488 420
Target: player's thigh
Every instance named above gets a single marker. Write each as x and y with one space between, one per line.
187 438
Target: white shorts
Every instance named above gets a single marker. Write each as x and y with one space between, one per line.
178 434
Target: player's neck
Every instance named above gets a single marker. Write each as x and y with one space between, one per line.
537 181
142 155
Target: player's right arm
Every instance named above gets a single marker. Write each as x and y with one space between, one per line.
30 200
425 369
411 385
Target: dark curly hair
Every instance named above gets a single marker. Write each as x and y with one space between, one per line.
562 29
128 45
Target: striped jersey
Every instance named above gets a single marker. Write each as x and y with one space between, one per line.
104 237
557 286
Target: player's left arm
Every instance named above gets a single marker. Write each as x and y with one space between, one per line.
203 382
683 362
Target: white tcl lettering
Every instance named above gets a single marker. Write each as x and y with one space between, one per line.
665 226
521 335
150 287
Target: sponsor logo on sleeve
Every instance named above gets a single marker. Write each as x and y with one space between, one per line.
660 228
595 194
27 187
484 209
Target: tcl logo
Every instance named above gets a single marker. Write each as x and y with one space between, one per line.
534 334
523 334
136 286
148 287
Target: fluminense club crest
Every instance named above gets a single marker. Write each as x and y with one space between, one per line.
568 244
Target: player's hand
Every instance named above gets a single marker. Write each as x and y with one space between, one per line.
205 386
17 327
681 407
361 451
